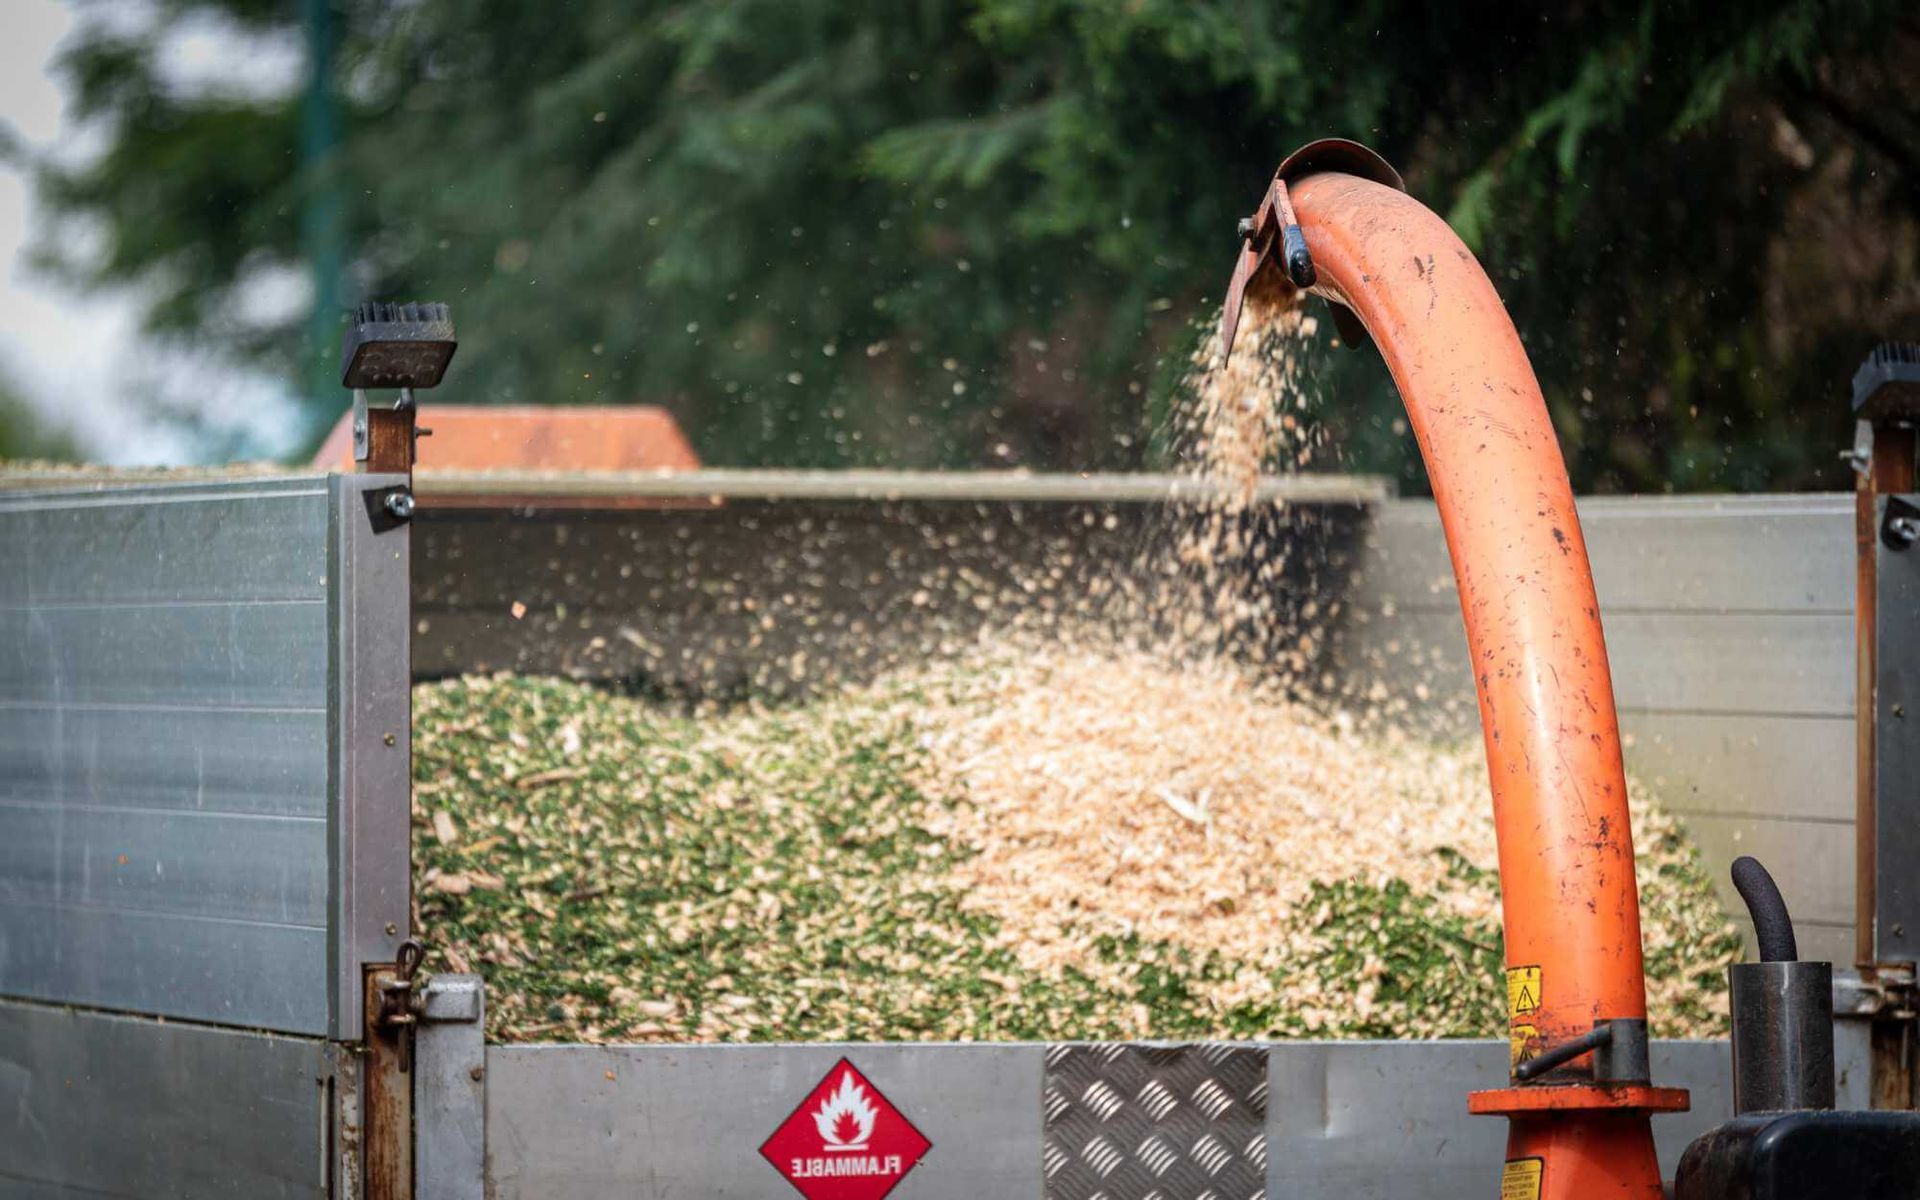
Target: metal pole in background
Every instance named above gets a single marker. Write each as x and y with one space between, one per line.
1886 408
322 212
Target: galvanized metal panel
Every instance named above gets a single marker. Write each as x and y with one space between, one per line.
1815 860
788 594
1759 663
1689 589
247 973
1388 1120
1762 664
237 540
370 727
163 673
446 488
645 1122
100 1105
1777 787
1744 765
1729 628
265 763
179 861
1345 1120
1655 553
226 655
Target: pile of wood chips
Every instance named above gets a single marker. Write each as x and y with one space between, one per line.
1050 844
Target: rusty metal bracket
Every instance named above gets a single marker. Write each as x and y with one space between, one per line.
392 995
386 1105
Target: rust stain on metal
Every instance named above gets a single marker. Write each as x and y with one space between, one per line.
389 441
344 1157
387 1099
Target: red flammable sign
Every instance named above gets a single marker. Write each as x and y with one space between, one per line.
846 1141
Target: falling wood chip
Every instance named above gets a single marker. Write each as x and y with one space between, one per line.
1196 813
540 779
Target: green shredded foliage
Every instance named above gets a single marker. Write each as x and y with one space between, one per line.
622 869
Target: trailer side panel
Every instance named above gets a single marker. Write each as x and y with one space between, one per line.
102 1105
163 751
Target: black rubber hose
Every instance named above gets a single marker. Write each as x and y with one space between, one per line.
1772 927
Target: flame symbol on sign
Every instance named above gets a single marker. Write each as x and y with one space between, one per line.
845 1120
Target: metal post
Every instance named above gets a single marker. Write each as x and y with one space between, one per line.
370 736
1886 403
323 204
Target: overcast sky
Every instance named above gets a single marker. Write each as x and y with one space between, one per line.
81 359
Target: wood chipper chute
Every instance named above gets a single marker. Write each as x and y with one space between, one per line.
1336 222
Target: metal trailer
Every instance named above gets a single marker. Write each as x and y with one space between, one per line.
204 843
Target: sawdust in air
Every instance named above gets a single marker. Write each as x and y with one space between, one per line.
1116 813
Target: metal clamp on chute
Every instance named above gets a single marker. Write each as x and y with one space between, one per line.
1273 234
1619 1048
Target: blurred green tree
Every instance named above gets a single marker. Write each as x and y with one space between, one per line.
937 232
25 435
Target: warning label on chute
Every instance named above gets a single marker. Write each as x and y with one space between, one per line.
1523 991
1520 1179
1523 1042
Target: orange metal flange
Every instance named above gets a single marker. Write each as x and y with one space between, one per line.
1571 910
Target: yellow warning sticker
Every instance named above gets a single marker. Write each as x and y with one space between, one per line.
1523 991
1523 1042
1520 1179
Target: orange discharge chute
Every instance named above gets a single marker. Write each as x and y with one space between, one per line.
1571 910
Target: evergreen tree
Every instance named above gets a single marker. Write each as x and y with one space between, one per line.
25 435
941 232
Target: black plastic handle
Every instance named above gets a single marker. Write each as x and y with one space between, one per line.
1293 246
1772 927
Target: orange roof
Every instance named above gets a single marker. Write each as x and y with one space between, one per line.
531 438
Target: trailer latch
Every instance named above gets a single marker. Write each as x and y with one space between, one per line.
400 989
